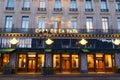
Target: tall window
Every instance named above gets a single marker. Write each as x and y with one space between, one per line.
88 5
117 5
57 22
104 6
118 23
24 42
8 23
41 22
105 24
58 4
73 4
10 3
73 23
26 4
89 24
25 23
42 4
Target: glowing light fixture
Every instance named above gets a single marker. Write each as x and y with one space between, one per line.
14 41
116 42
49 41
83 42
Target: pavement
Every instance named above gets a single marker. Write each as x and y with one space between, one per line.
95 76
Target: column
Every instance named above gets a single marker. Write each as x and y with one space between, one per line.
13 60
84 68
48 60
117 60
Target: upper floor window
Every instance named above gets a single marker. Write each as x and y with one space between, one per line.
117 5
105 24
25 23
41 22
89 24
104 6
88 6
8 23
26 3
73 4
73 22
118 23
42 4
10 3
58 4
57 22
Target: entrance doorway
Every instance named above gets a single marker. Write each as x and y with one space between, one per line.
100 62
65 64
31 65
99 65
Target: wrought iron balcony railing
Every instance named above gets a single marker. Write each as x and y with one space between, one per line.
62 30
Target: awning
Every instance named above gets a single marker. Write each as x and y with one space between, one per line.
6 50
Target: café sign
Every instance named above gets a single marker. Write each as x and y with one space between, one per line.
56 30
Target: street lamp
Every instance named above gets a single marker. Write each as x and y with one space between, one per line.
14 41
116 42
83 42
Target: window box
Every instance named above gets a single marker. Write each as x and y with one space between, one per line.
73 9
41 9
57 9
88 10
9 8
104 10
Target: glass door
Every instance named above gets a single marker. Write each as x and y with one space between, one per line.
99 65
31 65
66 63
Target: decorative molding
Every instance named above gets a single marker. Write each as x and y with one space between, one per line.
67 36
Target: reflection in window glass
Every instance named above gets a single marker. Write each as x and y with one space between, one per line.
6 58
40 61
75 61
90 61
56 62
108 61
22 61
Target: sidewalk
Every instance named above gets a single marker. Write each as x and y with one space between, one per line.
93 76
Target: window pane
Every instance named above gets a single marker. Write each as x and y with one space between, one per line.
73 4
57 3
22 61
103 4
105 24
89 24
25 23
73 23
26 3
41 22
118 22
117 4
42 3
75 61
88 4
108 61
6 58
10 3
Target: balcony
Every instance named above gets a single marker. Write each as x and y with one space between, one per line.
104 10
57 9
55 31
89 10
10 8
25 9
41 9
73 9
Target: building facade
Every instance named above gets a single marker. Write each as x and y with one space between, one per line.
68 23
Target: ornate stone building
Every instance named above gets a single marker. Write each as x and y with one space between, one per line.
74 36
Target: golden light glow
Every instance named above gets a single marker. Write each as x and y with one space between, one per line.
116 42
49 41
83 42
14 41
